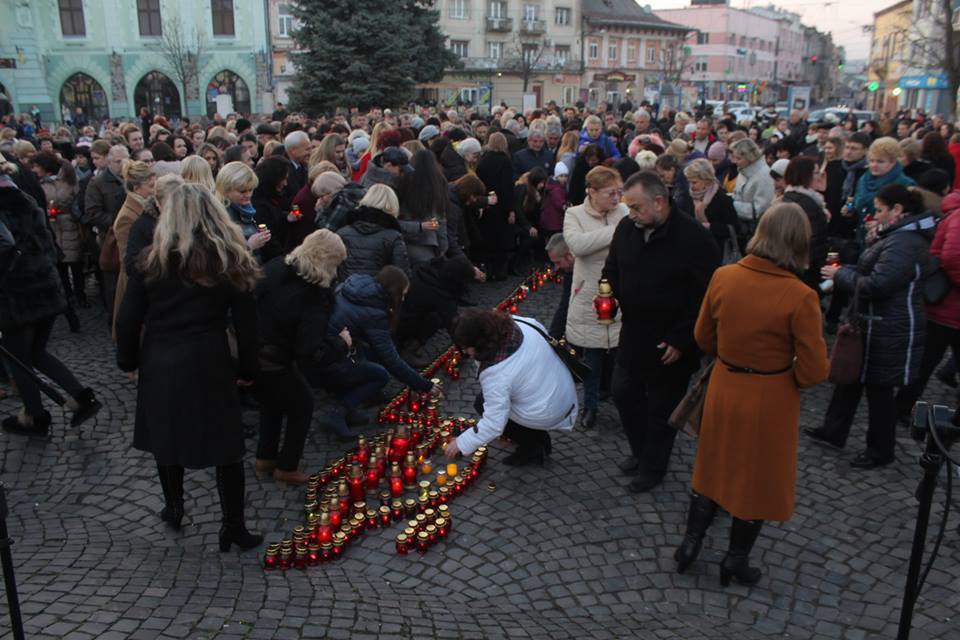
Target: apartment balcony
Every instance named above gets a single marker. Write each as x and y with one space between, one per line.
533 27
499 25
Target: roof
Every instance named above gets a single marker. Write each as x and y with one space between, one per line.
625 13
894 7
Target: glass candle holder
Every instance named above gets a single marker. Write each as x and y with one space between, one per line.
434 498
326 551
423 503
403 544
385 516
396 509
271 560
444 495
300 557
452 469
385 497
409 507
421 521
337 548
431 530
426 467
443 511
313 553
441 478
411 533
430 515
372 519
423 541
424 487
442 528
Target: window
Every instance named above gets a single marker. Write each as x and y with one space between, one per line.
459 9
612 52
531 12
700 66
651 54
569 95
562 55
531 54
562 16
594 49
284 20
495 50
459 48
703 38
222 17
631 51
148 14
498 9
71 18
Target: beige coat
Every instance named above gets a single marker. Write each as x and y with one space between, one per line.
131 210
589 234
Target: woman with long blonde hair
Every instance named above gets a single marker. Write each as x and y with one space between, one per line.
195 281
197 170
332 149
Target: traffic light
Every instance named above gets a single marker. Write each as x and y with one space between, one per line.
840 65
813 59
873 86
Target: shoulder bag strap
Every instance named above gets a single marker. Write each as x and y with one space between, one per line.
549 340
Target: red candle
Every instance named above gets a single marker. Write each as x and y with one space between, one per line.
363 453
356 483
313 554
402 544
396 487
423 541
373 477
324 533
385 516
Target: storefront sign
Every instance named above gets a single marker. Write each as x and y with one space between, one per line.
924 82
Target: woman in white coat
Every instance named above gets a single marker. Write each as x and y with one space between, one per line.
753 191
588 231
525 389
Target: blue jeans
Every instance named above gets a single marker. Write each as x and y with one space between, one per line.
594 358
354 382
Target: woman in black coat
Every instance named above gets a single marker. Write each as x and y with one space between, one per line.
590 157
888 279
496 232
294 302
711 204
31 298
373 236
804 184
172 330
268 200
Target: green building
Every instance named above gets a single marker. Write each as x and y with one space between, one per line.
107 57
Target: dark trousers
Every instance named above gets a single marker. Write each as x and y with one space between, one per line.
525 437
230 487
599 361
558 325
28 344
109 283
71 275
284 394
939 337
882 417
352 382
645 403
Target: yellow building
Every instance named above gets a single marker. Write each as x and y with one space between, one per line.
888 56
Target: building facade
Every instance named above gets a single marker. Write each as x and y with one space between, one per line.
733 51
631 54
822 61
510 49
282 24
105 58
923 83
889 48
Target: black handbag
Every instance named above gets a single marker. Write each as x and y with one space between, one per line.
577 368
937 285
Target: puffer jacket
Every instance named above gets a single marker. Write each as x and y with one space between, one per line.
31 291
373 240
362 306
946 246
289 311
589 234
753 192
890 273
606 144
65 225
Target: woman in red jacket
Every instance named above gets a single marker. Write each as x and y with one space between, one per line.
954 150
943 318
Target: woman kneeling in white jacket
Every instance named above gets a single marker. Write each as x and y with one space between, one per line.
525 389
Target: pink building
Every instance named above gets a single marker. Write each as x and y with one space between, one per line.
737 54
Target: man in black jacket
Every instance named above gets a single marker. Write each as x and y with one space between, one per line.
659 265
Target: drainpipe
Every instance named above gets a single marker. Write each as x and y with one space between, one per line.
269 53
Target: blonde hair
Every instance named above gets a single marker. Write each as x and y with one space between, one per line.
747 148
700 169
236 176
374 146
592 119
886 147
321 167
269 148
316 259
196 241
24 150
568 143
413 146
165 186
682 117
197 170
498 142
135 174
679 149
645 159
326 150
783 237
911 149
601 177
382 197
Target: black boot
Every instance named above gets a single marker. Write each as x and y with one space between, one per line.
701 513
736 564
171 481
72 320
526 454
38 428
231 488
88 406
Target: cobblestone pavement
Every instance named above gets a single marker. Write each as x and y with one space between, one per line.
560 551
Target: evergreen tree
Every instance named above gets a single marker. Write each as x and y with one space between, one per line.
365 52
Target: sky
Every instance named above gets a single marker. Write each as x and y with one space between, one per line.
845 19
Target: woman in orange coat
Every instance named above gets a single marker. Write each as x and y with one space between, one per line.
763 324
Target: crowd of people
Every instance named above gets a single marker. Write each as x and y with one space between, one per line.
257 261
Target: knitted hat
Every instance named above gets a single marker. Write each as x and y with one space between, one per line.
780 167
717 151
359 145
328 182
561 170
469 145
428 133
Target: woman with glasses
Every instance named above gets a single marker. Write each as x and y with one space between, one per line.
588 231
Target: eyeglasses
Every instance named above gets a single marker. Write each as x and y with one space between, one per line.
609 193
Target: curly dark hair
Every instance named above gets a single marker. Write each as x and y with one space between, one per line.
484 330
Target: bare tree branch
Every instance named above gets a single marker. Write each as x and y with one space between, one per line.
182 53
